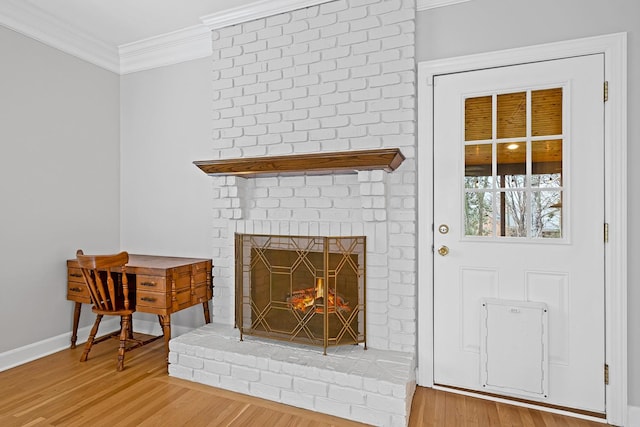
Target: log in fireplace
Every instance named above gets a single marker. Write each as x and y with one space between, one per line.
302 289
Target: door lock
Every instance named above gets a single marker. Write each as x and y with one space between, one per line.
443 250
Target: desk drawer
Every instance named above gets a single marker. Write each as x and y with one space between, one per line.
147 299
74 275
200 294
151 283
78 291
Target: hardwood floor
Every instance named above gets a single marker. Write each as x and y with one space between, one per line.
58 390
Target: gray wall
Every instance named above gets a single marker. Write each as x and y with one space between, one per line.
486 25
59 181
166 119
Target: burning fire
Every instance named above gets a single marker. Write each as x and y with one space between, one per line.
304 299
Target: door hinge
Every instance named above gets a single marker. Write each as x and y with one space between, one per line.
606 374
606 232
606 91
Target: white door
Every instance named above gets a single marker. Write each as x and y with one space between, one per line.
518 218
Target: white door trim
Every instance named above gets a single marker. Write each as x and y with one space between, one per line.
614 47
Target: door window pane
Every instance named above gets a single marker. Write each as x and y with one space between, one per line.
512 115
546 210
478 159
546 163
512 213
477 118
512 164
478 216
546 112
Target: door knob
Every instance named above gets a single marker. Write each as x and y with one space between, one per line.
443 250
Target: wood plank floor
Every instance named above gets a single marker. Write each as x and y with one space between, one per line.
58 390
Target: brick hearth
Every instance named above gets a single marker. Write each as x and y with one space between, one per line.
370 386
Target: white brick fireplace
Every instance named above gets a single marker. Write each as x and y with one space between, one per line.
335 77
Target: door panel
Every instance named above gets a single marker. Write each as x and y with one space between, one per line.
518 181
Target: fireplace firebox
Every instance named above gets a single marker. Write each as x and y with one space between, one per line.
303 289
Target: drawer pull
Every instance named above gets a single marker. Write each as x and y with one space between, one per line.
149 284
147 299
75 289
75 274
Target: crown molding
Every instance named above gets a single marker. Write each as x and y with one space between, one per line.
166 49
33 22
255 10
432 4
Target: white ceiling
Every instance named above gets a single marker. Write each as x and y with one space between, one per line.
118 22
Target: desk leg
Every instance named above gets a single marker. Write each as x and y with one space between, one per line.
165 322
207 316
76 320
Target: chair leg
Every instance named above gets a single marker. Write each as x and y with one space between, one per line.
92 335
124 332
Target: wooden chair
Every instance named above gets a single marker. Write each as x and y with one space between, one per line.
106 279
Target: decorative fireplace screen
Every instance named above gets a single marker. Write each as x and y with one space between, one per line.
301 289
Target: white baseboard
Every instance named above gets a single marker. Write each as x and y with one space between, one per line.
633 416
18 356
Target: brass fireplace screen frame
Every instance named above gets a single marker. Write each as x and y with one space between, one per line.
282 283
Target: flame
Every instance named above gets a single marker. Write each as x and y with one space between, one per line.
304 299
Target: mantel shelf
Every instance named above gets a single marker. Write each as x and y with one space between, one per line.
318 163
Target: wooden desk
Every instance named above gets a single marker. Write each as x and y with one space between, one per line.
163 285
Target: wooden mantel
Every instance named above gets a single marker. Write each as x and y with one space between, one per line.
387 159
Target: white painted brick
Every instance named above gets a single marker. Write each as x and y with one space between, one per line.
245 38
307 58
244 373
335 121
323 44
281 381
334 6
309 102
234 384
384 104
263 98
295 137
384 7
315 388
352 61
306 36
399 16
333 407
365 118
385 56
217 367
367 71
207 378
403 89
276 42
323 20
374 417
245 59
308 80
366 47
323 89
256 46
295 49
280 63
267 33
352 38
264 391
269 139
300 400
279 85
346 395
308 124
180 372
269 55
335 75
295 27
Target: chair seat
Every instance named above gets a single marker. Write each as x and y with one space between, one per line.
121 312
